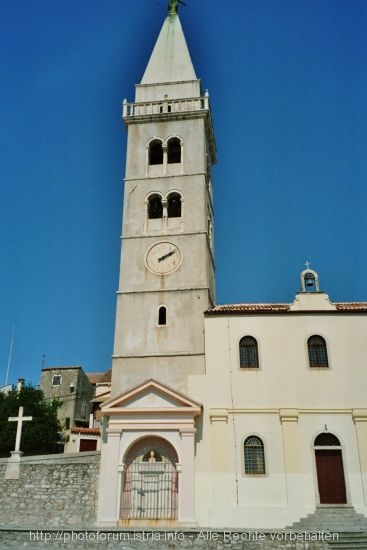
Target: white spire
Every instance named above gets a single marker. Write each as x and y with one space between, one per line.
170 60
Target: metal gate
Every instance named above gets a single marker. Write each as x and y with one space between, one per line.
150 491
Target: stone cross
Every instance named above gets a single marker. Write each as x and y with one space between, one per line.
20 419
308 264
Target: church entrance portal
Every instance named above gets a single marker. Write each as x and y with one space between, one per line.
150 481
330 471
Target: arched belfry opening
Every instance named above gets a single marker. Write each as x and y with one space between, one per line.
309 281
150 481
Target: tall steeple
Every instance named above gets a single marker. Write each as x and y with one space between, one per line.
170 72
166 279
167 263
170 60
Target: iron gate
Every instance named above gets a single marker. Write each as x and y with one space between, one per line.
150 491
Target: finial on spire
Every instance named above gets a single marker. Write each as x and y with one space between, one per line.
173 6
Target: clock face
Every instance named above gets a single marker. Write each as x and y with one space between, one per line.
163 258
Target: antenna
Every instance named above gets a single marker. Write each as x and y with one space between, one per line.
10 354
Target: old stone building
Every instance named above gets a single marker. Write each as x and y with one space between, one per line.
72 387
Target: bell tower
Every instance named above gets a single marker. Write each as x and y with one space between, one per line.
167 259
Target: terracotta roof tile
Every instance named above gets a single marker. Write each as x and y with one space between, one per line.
85 431
93 377
247 308
277 308
105 377
351 306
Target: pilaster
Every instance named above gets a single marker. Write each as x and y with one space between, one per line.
109 490
187 477
360 422
219 422
292 457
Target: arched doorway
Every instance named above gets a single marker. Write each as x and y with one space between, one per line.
329 468
150 481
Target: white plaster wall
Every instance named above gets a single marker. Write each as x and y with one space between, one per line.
193 136
284 378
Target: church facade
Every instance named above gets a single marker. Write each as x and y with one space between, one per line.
240 415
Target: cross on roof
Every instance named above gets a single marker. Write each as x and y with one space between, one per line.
20 419
308 264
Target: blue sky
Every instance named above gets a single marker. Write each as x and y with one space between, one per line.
288 87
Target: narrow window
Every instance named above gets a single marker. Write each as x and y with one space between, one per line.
174 205
249 357
317 353
155 207
173 151
155 152
67 422
56 380
254 455
162 315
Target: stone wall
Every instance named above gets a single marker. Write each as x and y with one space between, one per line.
154 540
52 491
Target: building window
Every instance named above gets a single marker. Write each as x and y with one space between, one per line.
326 439
56 380
317 353
162 316
173 151
67 422
155 152
174 205
249 357
254 455
155 207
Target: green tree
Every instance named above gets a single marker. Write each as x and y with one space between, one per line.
38 436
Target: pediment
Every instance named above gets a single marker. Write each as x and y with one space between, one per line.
151 396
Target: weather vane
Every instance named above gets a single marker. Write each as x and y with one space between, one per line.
173 6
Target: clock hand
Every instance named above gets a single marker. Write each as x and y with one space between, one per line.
167 255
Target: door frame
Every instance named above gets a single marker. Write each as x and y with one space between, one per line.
340 448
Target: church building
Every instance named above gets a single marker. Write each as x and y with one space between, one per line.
239 415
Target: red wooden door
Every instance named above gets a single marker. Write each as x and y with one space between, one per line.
330 476
87 445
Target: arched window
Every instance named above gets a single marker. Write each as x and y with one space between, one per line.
327 439
249 358
317 353
174 205
155 207
173 150
254 455
162 315
155 152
